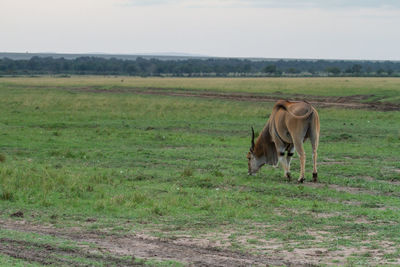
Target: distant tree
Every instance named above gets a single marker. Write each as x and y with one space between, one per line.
348 70
247 67
270 69
34 63
143 64
333 70
356 68
184 67
380 71
131 69
311 70
292 70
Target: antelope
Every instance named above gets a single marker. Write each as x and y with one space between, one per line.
289 125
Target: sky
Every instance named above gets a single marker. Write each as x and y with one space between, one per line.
315 29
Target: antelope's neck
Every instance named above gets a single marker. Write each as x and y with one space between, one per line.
259 150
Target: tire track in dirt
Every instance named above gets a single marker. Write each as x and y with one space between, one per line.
113 247
48 254
352 102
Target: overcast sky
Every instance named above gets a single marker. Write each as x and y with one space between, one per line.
340 29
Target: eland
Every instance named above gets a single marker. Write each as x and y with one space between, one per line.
289 125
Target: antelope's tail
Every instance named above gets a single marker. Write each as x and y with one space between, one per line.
284 105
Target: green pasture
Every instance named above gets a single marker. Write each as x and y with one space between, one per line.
177 165
375 89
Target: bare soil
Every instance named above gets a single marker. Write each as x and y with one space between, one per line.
48 254
122 250
352 102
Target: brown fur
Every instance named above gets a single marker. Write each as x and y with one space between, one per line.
289 125
266 146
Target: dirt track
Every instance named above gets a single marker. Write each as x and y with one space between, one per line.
353 102
113 250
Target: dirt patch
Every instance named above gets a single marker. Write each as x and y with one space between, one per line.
47 254
331 163
122 250
318 101
128 245
368 178
347 189
356 191
372 179
19 214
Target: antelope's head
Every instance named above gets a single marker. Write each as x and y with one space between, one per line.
254 162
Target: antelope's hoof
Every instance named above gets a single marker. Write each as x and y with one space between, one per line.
288 176
301 180
314 177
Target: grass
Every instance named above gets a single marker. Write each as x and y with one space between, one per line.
178 164
375 89
10 261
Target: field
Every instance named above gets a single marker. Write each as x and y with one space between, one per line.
153 171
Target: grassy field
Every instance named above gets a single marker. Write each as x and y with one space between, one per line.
380 89
174 168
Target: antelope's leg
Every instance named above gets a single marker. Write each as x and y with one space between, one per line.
315 172
289 156
298 144
314 145
285 165
314 138
280 148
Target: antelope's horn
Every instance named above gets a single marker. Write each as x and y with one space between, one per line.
252 137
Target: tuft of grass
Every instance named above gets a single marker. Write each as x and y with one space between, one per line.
6 195
2 158
217 173
157 210
338 137
187 172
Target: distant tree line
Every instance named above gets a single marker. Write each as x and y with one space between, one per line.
219 67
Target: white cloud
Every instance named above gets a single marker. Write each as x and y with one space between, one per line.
272 3
217 29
